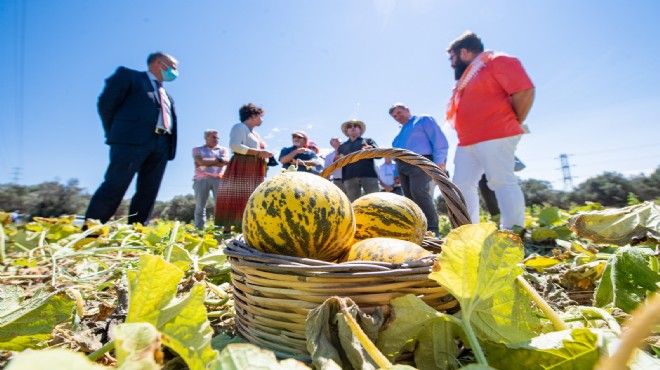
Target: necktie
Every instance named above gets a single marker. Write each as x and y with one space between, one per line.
163 105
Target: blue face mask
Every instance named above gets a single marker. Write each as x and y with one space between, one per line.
170 74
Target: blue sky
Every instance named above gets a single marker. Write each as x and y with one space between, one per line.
314 64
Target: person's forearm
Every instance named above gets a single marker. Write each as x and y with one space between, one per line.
209 162
522 103
287 158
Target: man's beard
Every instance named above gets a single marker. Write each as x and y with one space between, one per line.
459 69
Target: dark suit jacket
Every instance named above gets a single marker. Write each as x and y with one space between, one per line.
129 109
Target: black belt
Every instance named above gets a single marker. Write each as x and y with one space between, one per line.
161 131
336 180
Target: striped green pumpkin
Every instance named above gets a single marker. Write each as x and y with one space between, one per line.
385 250
299 214
388 215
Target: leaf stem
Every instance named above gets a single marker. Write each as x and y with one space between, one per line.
366 343
474 342
96 355
557 321
595 312
170 243
643 320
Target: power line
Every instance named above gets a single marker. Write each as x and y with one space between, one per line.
610 150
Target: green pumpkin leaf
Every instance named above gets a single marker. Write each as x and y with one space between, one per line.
180 258
627 278
136 343
479 265
417 326
551 216
568 349
51 359
619 226
182 321
543 233
29 323
247 356
540 262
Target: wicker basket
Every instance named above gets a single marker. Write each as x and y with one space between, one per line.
274 293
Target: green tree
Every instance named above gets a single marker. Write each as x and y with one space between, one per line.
48 199
180 208
609 189
539 192
647 188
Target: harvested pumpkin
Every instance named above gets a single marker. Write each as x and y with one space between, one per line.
385 250
301 215
388 215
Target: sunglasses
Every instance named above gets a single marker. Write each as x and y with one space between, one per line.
296 136
351 126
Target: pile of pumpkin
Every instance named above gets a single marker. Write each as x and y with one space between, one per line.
303 215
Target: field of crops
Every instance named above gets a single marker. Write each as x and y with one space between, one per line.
576 289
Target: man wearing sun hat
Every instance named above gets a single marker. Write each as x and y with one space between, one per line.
299 154
361 175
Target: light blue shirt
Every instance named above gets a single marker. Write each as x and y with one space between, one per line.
423 136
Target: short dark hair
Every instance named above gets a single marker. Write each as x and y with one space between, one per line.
469 41
398 105
248 110
158 55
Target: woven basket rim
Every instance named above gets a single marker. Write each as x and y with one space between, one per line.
247 255
456 208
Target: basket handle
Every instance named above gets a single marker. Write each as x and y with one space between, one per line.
456 209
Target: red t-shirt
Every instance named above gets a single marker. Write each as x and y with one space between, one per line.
485 111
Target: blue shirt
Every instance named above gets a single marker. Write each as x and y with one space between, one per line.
302 156
423 136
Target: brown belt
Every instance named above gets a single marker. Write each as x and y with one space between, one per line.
161 131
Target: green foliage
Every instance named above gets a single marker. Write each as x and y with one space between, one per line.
539 192
28 323
181 320
48 199
52 359
422 329
569 349
247 356
630 225
479 265
633 199
610 189
629 275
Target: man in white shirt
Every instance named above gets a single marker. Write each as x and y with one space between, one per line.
388 177
335 177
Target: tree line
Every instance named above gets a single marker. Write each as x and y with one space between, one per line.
53 199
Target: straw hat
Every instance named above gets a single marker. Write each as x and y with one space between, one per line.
363 127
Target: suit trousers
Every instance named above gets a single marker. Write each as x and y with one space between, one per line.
148 161
419 187
496 159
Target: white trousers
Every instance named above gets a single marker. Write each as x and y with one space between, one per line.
496 159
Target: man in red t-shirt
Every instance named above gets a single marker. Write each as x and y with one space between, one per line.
491 100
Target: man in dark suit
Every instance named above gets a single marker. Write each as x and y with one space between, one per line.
140 126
